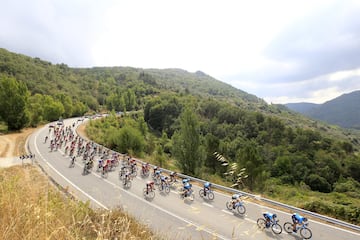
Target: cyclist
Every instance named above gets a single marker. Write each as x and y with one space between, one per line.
149 186
207 187
163 181
235 199
127 176
155 169
145 168
269 217
133 167
173 176
187 189
297 219
122 170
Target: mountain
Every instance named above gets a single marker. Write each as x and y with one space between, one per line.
343 111
302 107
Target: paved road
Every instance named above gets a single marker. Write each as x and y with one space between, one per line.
168 214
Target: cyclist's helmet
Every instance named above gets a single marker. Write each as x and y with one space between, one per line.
157 172
185 180
235 196
155 167
274 215
305 219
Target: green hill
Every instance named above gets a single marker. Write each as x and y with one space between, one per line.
343 111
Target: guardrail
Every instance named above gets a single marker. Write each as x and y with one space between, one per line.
269 201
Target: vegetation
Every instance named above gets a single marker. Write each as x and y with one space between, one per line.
261 146
31 208
179 119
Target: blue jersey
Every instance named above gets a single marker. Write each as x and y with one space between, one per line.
298 218
207 184
268 215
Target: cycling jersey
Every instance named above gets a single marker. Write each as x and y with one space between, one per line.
297 218
268 215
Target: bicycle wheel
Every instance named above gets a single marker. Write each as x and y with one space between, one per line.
306 233
211 195
201 193
276 228
151 195
191 197
167 189
84 170
104 174
241 209
288 227
229 205
72 164
261 223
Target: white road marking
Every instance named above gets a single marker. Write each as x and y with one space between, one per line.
207 204
227 212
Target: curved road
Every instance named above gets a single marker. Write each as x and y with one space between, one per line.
167 215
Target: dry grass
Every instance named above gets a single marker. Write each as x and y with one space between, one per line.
32 208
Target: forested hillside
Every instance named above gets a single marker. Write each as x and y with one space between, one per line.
190 121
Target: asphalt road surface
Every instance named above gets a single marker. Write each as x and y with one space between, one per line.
168 214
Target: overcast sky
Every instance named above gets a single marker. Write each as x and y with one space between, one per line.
280 50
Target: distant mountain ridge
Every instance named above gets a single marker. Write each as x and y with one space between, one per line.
343 111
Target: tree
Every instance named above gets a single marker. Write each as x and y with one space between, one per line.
13 100
187 143
249 158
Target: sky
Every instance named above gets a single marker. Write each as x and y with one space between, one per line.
280 50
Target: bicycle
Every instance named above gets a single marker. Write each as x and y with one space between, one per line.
72 162
209 194
164 187
104 171
148 194
127 182
239 207
187 195
305 232
273 224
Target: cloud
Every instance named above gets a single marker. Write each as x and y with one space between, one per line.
57 31
325 41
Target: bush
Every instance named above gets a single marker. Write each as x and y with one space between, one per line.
317 183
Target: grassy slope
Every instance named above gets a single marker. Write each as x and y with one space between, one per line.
32 208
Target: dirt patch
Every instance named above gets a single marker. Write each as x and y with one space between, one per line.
81 130
13 144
